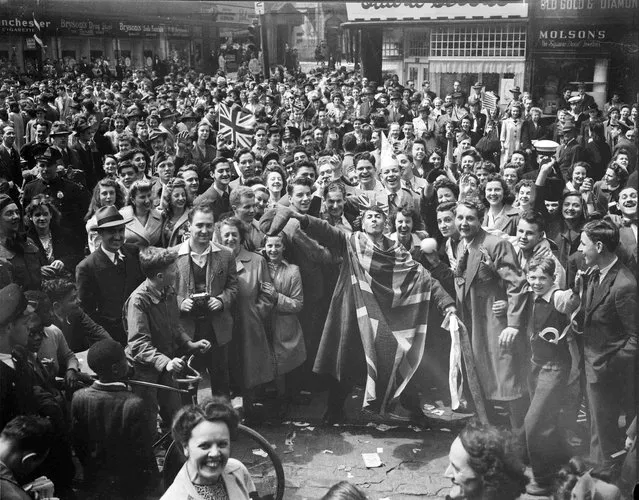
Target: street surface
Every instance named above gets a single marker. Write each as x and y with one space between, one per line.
413 459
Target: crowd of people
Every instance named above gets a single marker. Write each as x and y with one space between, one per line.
301 255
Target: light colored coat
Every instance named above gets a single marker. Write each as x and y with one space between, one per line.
288 340
236 477
139 235
501 372
510 138
253 308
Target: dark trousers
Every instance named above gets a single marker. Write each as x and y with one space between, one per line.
169 402
545 442
605 405
216 361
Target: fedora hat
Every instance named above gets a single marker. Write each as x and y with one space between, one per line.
109 216
156 133
59 128
478 86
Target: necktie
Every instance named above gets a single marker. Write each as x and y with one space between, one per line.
392 198
118 261
462 262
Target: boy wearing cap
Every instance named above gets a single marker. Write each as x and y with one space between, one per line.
16 320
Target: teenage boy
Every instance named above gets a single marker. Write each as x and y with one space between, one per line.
155 335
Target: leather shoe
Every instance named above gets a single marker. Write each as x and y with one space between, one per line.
535 489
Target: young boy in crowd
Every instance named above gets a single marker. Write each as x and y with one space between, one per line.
113 430
156 337
550 361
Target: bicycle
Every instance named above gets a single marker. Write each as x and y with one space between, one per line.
247 445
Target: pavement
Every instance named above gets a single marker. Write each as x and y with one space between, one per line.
412 459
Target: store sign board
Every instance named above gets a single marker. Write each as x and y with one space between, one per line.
570 38
151 30
591 9
84 28
374 11
23 25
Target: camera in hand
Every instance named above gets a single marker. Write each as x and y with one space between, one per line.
200 308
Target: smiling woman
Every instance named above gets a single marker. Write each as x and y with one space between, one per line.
204 434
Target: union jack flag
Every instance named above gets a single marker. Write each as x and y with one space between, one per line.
237 125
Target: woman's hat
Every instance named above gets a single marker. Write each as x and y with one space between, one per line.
110 217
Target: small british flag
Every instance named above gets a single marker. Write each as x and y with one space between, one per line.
237 125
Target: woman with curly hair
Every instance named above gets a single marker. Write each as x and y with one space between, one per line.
203 434
485 465
606 191
202 153
501 215
44 229
175 215
106 193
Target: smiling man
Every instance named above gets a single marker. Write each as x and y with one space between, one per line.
394 197
497 345
206 290
610 338
108 276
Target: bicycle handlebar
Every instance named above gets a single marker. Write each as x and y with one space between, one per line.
196 376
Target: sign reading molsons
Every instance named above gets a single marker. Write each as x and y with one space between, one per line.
573 38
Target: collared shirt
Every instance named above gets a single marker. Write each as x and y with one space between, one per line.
111 255
604 270
220 192
200 258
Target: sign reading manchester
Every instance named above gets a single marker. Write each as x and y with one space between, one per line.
586 8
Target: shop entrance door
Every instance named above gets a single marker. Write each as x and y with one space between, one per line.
417 72
31 59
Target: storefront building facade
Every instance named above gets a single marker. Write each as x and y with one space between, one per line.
485 42
590 41
133 32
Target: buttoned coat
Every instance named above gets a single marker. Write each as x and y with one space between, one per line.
139 235
253 308
288 340
610 326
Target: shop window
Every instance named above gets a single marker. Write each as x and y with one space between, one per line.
418 45
95 54
391 48
503 41
68 54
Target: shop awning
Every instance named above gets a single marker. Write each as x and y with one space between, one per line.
475 65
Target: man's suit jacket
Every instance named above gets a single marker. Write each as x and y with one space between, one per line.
221 283
627 249
82 158
103 287
10 165
532 132
220 203
610 326
405 199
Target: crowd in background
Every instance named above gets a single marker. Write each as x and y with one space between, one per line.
125 214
